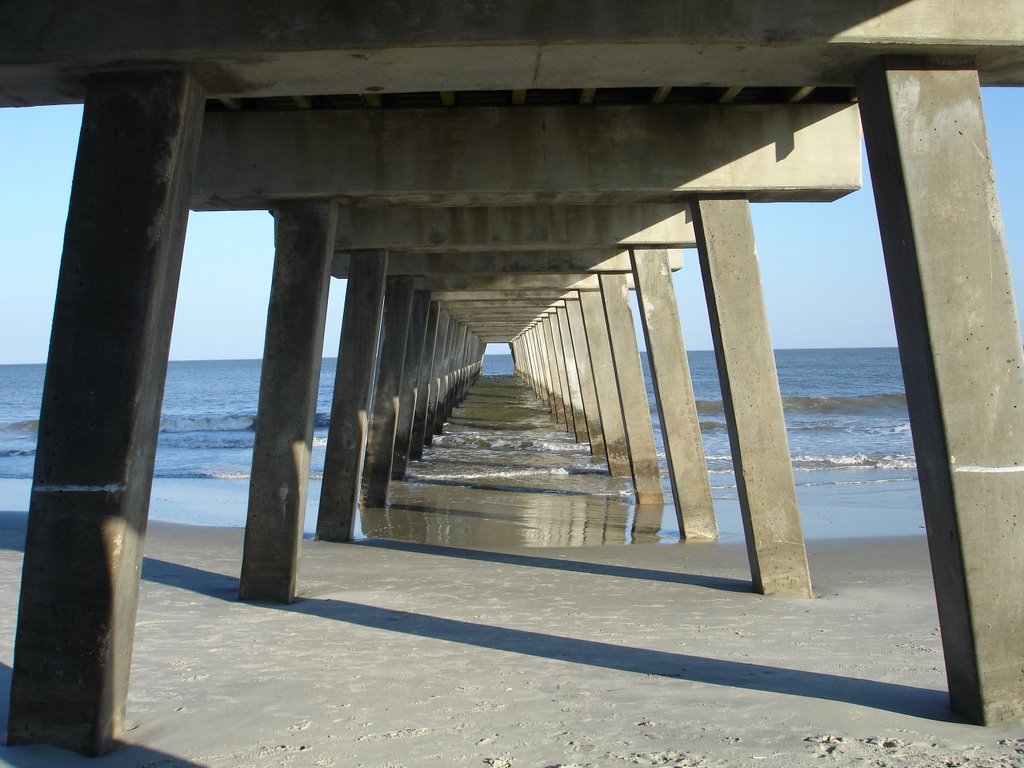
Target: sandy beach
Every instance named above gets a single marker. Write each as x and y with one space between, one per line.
641 655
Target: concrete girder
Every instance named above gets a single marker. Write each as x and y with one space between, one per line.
240 48
543 155
508 262
541 227
462 282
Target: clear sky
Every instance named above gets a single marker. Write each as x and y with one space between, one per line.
821 263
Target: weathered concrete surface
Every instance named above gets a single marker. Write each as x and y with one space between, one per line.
636 414
588 389
289 383
521 282
609 402
101 410
960 344
353 391
542 227
380 445
673 392
572 367
242 48
495 156
750 395
425 387
497 263
410 395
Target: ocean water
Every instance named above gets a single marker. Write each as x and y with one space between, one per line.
845 411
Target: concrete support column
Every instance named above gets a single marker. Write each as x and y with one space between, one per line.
560 412
353 392
380 444
673 391
636 412
443 376
412 374
607 386
563 370
425 384
750 394
960 344
304 238
579 419
101 409
588 389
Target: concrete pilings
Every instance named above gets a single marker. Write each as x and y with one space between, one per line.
101 409
292 353
960 346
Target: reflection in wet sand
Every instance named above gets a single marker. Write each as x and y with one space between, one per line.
505 474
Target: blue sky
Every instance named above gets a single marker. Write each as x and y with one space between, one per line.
821 263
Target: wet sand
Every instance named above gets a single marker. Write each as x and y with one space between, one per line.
411 655
522 621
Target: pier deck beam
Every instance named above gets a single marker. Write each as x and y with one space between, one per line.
643 456
101 409
960 345
750 395
290 379
353 389
673 391
380 446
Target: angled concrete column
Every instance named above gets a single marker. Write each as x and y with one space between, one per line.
750 394
636 412
607 386
424 384
412 372
304 238
588 389
380 445
444 327
353 392
561 412
101 409
579 419
444 376
563 372
673 391
960 344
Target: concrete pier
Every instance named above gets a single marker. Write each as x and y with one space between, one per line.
673 392
353 390
606 385
412 375
588 388
643 456
508 158
380 444
304 238
101 409
425 386
960 344
750 395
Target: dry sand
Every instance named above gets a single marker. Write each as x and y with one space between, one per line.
641 655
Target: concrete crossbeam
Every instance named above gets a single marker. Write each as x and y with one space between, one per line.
505 262
544 155
419 46
462 282
542 227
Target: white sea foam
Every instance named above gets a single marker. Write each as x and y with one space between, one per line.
173 424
